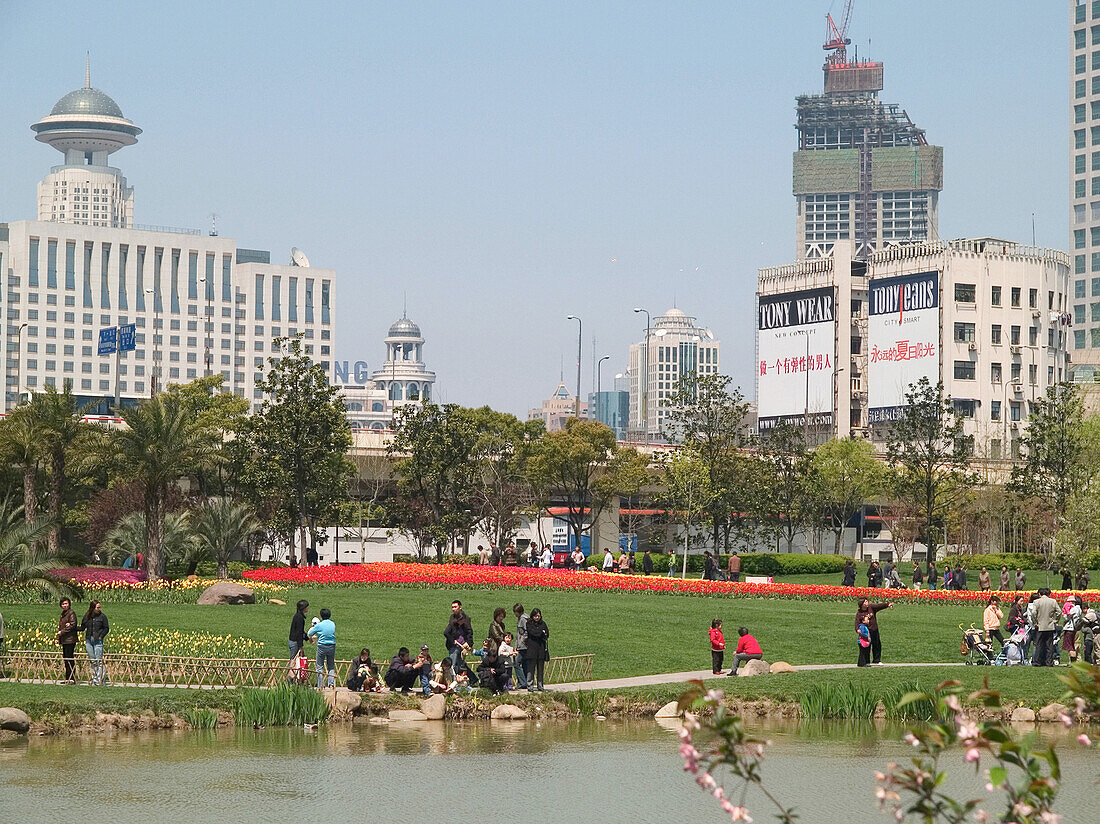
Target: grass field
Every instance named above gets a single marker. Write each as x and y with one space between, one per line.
630 634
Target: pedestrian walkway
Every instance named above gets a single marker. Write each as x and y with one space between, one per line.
697 675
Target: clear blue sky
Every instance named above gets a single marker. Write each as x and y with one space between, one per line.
509 163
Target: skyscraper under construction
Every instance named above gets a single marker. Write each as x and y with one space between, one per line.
863 171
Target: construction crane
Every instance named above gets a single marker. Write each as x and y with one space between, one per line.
836 38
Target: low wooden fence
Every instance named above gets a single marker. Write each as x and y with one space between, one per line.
210 673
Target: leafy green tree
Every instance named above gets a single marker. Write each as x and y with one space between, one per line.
160 444
216 410
930 454
686 490
712 420
579 464
1053 450
20 441
57 423
127 538
848 476
292 454
435 457
785 498
501 451
221 526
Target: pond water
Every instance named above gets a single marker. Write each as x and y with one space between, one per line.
607 772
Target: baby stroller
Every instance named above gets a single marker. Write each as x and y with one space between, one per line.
976 649
1013 653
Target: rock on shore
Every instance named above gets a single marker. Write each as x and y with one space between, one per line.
14 720
226 592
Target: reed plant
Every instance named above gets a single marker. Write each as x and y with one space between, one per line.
281 706
201 718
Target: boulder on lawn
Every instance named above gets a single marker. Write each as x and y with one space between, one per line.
407 715
670 710
1053 712
226 592
507 712
342 701
1022 714
756 666
433 707
276 602
780 666
14 720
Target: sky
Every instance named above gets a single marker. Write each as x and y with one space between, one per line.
501 165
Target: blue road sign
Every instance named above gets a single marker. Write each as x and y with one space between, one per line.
127 338
108 340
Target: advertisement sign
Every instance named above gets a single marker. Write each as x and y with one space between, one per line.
903 330
795 335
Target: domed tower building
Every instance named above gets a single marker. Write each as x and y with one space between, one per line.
86 126
403 376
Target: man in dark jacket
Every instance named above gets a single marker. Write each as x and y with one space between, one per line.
871 610
849 575
958 579
402 674
918 576
492 672
647 563
874 575
361 671
459 626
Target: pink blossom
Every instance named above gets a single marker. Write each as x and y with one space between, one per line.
1084 740
973 755
912 739
1047 817
1065 719
715 696
740 814
952 701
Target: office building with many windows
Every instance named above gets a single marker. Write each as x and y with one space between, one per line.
199 304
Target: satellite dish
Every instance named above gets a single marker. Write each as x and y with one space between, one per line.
298 257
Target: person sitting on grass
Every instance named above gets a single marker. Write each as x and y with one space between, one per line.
423 666
445 681
402 674
748 649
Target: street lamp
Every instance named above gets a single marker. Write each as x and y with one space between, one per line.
645 394
155 377
580 326
596 412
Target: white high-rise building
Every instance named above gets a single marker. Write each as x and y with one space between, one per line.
673 346
200 304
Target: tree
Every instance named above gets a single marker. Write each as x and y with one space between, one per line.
434 451
57 423
20 441
634 476
24 561
292 454
712 420
848 475
1053 449
160 444
686 490
127 539
785 499
501 451
930 455
221 527
580 463
216 410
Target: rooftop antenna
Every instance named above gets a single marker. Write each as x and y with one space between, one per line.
87 70
405 304
213 224
1033 229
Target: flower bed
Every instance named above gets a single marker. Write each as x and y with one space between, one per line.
461 575
99 575
43 637
114 589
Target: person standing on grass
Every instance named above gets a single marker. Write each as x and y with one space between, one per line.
1083 579
874 575
1017 615
66 638
1021 580
538 651
933 574
519 671
918 576
985 582
849 574
863 637
717 646
547 559
624 563
748 649
1046 613
708 566
96 627
496 629
1071 612
647 563
991 620
297 640
608 560
733 568
865 608
325 633
1005 580
958 578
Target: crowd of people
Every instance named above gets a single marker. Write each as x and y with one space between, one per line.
888 575
1043 628
626 563
505 661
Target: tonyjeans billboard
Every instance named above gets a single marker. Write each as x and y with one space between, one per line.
903 328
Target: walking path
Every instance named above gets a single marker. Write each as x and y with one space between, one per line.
697 675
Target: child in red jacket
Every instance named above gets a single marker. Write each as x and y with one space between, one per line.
717 646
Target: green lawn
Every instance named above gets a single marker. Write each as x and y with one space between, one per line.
630 634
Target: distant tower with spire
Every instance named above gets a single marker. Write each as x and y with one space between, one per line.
86 126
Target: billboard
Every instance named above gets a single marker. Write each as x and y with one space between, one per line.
795 344
903 330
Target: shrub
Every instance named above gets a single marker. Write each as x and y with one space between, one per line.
995 560
790 563
201 718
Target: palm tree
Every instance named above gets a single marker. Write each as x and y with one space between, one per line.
20 440
23 560
56 416
221 527
160 444
127 538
